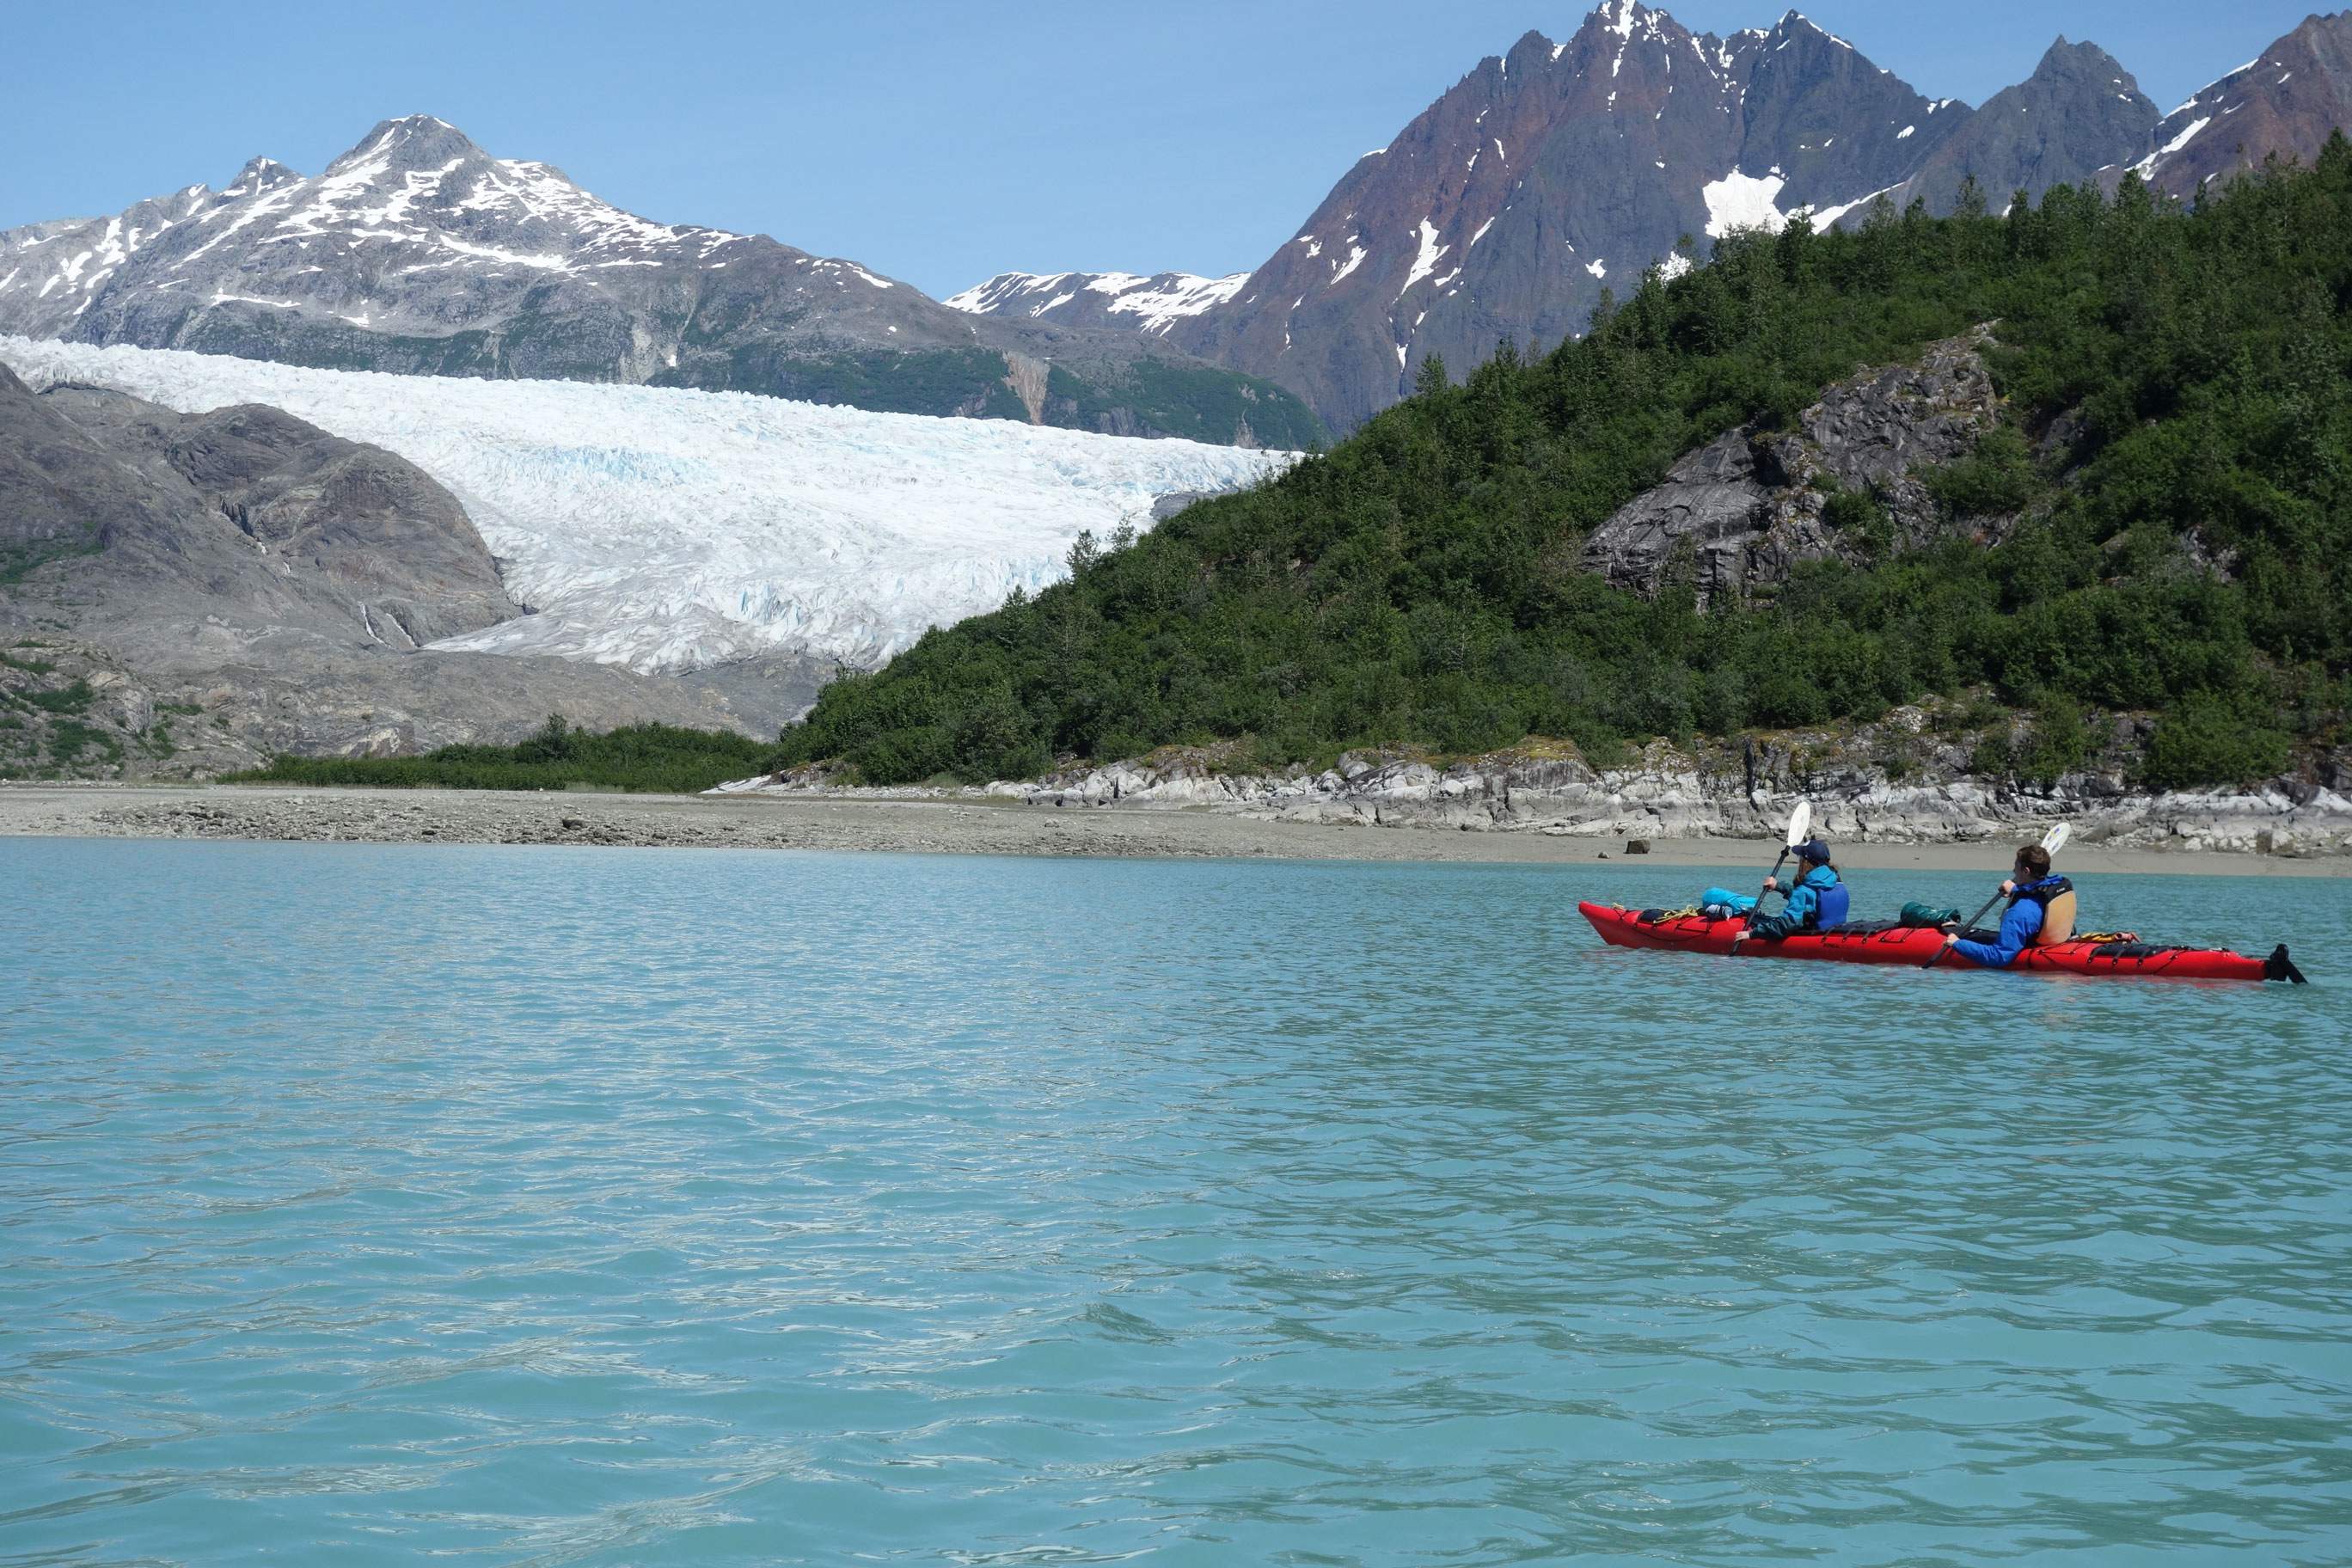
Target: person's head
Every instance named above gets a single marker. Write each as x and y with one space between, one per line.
1813 853
2032 863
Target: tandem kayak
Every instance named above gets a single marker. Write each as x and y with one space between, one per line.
1875 941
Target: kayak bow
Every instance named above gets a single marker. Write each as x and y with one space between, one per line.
1875 941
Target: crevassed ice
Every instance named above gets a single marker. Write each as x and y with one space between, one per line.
665 528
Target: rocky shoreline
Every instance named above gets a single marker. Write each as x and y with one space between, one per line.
947 822
1725 792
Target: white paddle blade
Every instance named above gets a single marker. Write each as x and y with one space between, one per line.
2055 840
1800 822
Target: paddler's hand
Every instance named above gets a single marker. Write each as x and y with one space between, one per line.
1951 940
1771 884
2008 888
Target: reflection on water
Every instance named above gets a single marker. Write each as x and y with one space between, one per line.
537 1207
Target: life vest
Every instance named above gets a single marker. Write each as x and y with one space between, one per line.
1832 907
2056 896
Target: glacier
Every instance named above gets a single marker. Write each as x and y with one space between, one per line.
667 529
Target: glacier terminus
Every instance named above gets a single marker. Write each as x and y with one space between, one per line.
667 528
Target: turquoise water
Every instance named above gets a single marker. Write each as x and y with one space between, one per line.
365 1204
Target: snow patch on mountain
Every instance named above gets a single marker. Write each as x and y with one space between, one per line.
1155 303
1743 201
2187 135
667 530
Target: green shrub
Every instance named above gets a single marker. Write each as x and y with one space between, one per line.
658 758
70 740
2207 740
74 699
1995 480
2057 743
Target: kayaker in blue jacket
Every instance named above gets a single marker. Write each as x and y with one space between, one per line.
1817 898
2032 891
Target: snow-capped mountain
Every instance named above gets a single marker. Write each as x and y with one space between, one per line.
1552 174
1560 170
419 253
1149 305
669 529
2287 102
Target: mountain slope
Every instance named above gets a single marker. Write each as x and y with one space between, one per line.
1553 174
2079 112
417 253
2155 521
1559 171
2287 101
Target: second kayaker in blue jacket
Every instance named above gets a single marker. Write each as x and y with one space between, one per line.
2032 892
1817 898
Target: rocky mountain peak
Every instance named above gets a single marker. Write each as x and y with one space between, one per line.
2083 68
259 174
1548 174
415 144
2080 111
1816 114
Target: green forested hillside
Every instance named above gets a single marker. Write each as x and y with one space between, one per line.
1419 581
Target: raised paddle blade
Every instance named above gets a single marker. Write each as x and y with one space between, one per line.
1800 821
2055 840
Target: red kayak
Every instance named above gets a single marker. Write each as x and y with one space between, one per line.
1875 941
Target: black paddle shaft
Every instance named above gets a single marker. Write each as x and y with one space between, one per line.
1979 915
1776 872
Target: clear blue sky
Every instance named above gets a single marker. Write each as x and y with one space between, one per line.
937 142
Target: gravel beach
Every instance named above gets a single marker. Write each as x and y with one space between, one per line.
944 825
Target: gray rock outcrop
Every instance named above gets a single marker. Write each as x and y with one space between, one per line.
1717 793
1860 793
1750 506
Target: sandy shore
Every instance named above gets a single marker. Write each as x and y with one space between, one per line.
949 826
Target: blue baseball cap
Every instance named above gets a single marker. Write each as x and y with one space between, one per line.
1813 852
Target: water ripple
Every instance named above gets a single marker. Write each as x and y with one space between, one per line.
360 1202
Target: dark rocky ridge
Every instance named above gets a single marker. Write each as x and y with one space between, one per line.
417 253
1550 174
271 582
2078 113
1556 171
